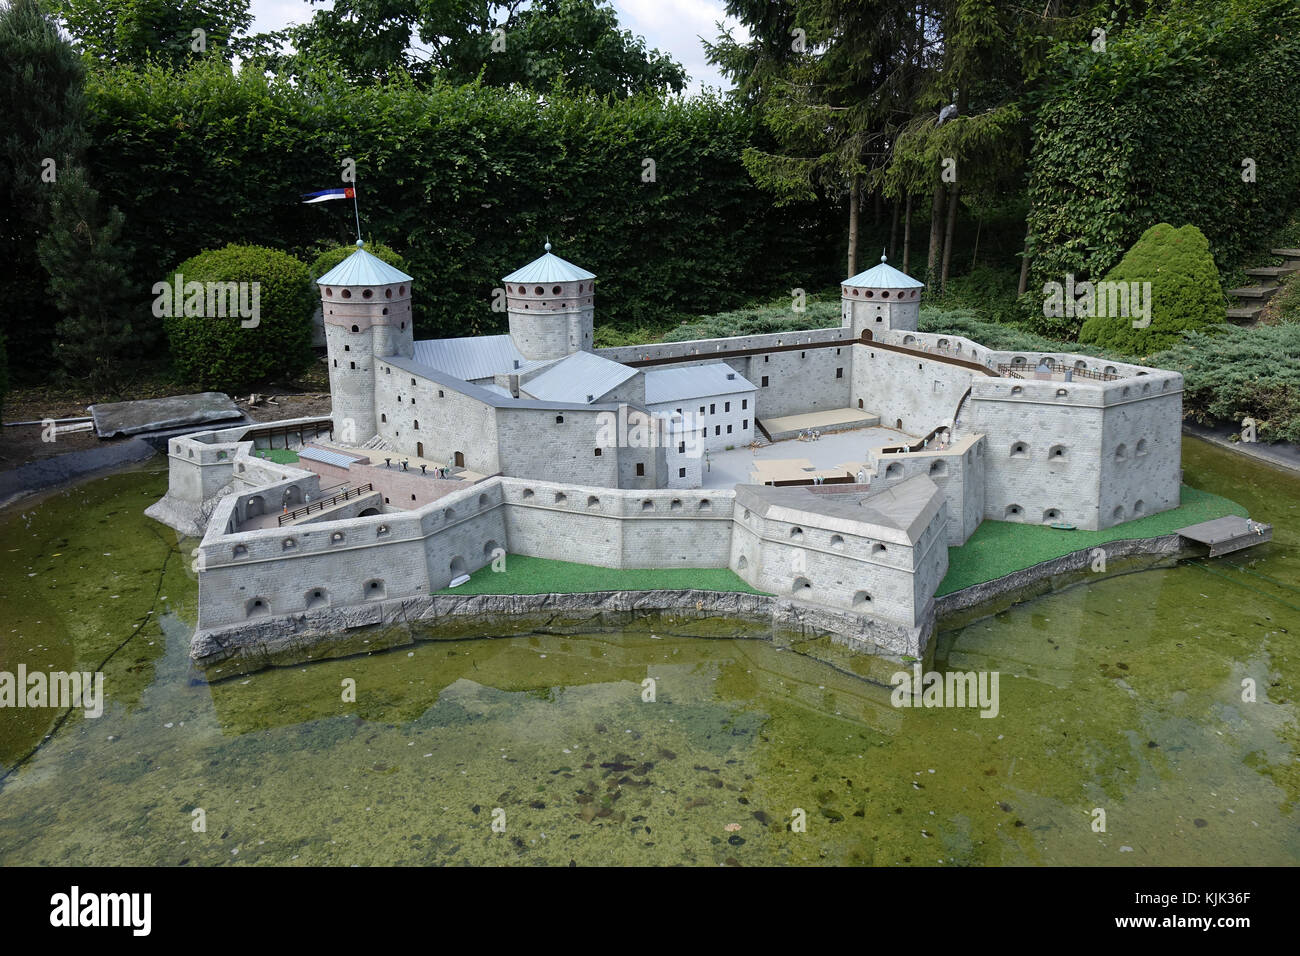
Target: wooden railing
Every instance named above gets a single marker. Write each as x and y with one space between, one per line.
324 503
1019 370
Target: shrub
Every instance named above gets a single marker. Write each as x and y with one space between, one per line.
1241 373
215 352
1185 292
759 321
328 259
1285 305
994 335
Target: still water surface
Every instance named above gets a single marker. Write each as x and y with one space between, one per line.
1122 694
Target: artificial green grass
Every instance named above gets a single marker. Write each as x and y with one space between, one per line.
523 575
281 456
998 548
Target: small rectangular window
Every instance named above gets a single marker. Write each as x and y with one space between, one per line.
713 409
767 358
744 424
717 429
728 429
701 409
681 448
839 373
765 381
726 407
681 472
640 468
597 452
744 403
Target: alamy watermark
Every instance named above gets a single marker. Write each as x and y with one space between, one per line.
953 689
209 300
1115 300
62 690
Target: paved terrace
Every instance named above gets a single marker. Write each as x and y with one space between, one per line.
833 451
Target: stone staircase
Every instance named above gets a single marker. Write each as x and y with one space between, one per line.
378 443
1250 300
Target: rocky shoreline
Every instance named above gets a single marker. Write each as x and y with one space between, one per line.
330 632
323 632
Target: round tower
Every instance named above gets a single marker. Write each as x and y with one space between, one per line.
551 305
880 298
367 310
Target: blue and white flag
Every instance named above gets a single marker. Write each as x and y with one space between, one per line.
345 192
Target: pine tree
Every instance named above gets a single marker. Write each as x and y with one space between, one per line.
87 264
41 101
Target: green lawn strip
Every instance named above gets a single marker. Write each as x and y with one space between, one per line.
281 456
524 575
998 548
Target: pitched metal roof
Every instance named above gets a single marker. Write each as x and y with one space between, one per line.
696 381
577 376
473 356
327 457
494 397
361 268
883 276
549 268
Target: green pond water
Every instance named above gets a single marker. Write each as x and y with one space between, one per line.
1122 694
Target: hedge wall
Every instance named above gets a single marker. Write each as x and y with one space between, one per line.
465 182
1155 129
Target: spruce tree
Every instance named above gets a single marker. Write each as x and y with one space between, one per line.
41 101
87 264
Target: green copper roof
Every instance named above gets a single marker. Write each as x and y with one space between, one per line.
549 268
883 276
361 268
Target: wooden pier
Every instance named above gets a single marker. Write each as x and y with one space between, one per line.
1227 534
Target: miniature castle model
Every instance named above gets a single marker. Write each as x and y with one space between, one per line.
534 442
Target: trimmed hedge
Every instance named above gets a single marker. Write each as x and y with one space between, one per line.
1185 292
468 182
220 353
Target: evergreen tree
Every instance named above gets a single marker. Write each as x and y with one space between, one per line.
41 100
87 264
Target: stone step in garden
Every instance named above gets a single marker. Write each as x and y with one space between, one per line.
1286 253
1246 313
1274 272
1263 292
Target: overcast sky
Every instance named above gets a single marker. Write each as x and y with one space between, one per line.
673 26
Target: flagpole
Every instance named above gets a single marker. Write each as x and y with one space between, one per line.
357 209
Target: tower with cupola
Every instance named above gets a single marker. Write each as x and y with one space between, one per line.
367 311
551 306
880 298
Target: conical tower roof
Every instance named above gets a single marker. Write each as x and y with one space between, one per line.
883 276
361 268
549 268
